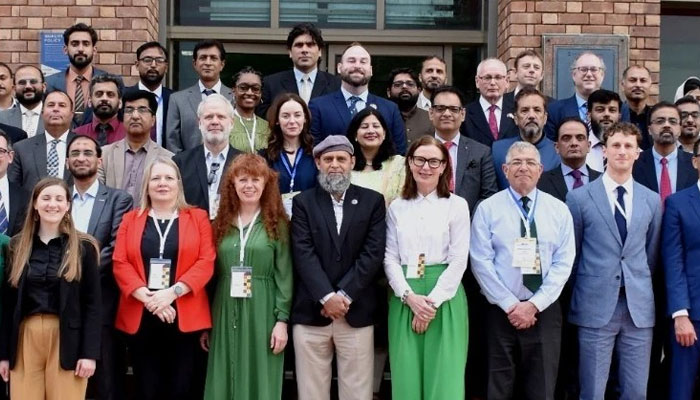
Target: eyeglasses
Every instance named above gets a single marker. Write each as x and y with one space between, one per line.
662 121
399 84
211 178
4 152
519 163
149 60
694 115
25 82
433 163
489 78
585 70
141 110
244 87
440 109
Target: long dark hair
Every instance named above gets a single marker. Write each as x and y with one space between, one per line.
386 149
275 142
410 189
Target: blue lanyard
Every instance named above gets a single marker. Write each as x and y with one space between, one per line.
292 171
526 217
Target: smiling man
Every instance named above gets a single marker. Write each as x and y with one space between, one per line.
433 74
529 71
29 92
636 85
106 100
689 109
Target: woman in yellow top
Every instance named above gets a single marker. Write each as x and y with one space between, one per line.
249 132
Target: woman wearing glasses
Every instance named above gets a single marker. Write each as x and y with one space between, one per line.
426 255
250 132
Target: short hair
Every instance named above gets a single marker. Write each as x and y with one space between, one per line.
7 67
348 47
448 89
571 119
207 43
98 149
79 27
246 70
687 100
521 146
588 53
107 78
4 134
386 149
25 66
690 85
530 91
528 53
626 128
432 57
660 105
603 96
151 45
410 188
133 95
490 59
305 28
215 98
627 70
404 70
46 95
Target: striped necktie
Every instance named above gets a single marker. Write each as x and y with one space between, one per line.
4 222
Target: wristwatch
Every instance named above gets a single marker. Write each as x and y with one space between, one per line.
178 290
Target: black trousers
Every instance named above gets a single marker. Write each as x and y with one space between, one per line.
523 363
567 379
476 376
164 361
109 380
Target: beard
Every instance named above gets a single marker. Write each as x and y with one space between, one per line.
689 133
38 95
405 103
530 132
334 183
151 79
84 62
83 174
105 111
214 140
347 78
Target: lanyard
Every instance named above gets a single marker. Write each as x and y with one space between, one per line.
621 210
530 215
162 235
292 171
250 135
244 238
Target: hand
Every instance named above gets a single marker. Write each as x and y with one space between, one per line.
204 341
85 368
685 332
167 315
278 339
142 294
522 315
421 306
5 370
336 307
160 299
419 325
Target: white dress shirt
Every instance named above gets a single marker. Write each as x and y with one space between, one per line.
159 114
436 227
30 119
360 105
216 88
81 209
495 227
611 189
312 79
60 150
595 156
214 187
338 213
453 154
5 192
423 102
485 105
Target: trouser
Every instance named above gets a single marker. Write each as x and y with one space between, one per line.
684 366
37 374
314 347
109 379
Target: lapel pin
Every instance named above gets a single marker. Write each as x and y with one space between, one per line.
353 202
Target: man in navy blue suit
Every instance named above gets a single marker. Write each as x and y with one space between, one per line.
331 114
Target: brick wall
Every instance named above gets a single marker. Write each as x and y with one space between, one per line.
122 26
521 25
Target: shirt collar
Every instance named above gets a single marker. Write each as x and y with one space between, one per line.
222 156
347 94
92 190
670 157
485 105
216 88
566 170
36 110
146 147
113 122
158 92
312 75
611 185
580 100
430 197
87 75
342 198
455 140
63 138
530 195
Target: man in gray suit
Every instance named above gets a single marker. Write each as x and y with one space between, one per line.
617 223
182 124
45 154
97 210
29 92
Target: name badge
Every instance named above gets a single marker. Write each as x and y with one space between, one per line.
159 273
242 282
525 256
416 271
287 202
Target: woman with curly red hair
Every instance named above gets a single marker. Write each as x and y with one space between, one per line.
254 290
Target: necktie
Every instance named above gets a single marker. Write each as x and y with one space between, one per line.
448 145
102 134
583 113
4 223
532 282
305 92
78 96
493 124
154 131
211 179
353 105
207 92
52 159
665 184
619 218
578 182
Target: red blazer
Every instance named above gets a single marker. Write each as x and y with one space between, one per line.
195 266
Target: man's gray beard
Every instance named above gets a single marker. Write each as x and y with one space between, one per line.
529 133
334 184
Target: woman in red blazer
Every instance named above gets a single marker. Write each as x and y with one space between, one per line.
163 258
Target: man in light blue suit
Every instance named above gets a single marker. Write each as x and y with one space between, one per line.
617 223
331 114
680 248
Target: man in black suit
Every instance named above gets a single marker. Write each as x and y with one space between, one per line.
339 235
13 198
204 166
487 118
152 63
97 210
305 46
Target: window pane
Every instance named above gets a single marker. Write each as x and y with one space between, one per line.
464 62
680 52
433 14
330 14
222 13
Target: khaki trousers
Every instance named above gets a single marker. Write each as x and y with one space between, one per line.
37 374
314 347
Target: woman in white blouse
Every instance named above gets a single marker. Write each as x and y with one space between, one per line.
427 247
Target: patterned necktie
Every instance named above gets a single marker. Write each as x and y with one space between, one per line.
531 281
102 134
583 113
448 145
52 159
619 218
78 96
305 92
665 183
578 182
353 105
493 124
4 223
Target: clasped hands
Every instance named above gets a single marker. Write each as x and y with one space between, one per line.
336 307
158 302
424 311
522 315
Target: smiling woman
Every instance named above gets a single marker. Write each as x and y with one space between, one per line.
250 132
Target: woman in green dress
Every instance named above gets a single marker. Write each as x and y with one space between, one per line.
249 132
253 296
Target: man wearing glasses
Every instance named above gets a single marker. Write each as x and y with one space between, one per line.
690 118
403 90
202 167
489 118
29 93
208 60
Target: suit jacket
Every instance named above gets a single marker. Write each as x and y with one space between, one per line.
644 171
553 182
602 260
330 116
325 261
13 117
107 211
560 109
285 82
58 82
166 100
475 125
475 178
183 125
15 134
195 266
193 167
112 172
19 199
78 315
29 165
680 248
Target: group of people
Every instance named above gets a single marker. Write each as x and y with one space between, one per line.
208 230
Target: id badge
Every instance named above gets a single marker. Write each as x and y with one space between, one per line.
242 282
159 273
287 202
416 271
525 255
